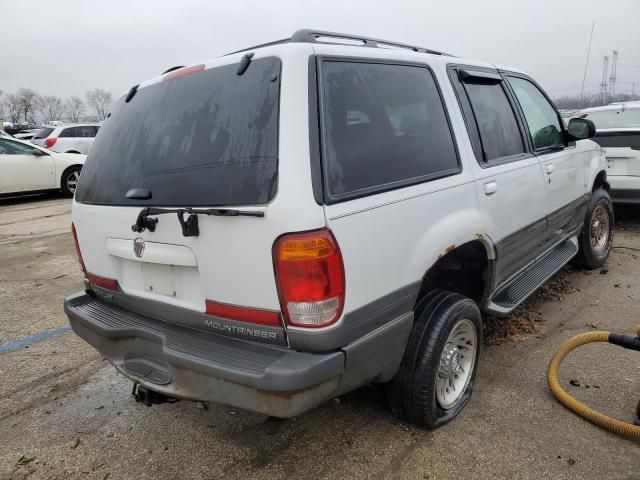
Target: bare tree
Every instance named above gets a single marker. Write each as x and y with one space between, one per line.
100 100
13 106
51 107
28 103
75 108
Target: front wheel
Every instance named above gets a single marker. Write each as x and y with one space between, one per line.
69 181
596 237
435 380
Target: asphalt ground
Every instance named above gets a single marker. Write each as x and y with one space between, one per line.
69 415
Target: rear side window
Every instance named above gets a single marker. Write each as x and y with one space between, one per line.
43 133
383 126
496 121
209 138
542 119
70 132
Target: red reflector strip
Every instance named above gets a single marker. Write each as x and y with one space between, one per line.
103 282
243 314
184 71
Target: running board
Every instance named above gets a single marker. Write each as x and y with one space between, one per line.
517 289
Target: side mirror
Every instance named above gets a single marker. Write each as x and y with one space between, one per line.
581 128
39 153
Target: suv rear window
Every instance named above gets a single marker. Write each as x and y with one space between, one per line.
205 139
384 126
43 133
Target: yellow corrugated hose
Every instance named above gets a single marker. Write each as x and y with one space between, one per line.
608 423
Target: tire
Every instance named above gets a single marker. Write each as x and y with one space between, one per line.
69 181
595 240
417 392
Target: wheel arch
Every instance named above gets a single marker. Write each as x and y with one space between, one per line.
65 170
456 255
467 269
600 181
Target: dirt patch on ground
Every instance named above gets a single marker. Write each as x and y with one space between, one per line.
526 320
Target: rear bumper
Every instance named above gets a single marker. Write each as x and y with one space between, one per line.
186 363
625 195
624 188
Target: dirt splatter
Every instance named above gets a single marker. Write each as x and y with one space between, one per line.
526 320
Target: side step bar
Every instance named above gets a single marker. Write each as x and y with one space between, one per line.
520 287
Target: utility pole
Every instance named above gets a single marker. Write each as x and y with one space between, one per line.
586 63
603 82
612 77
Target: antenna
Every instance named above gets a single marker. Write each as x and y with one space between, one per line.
603 82
586 63
612 77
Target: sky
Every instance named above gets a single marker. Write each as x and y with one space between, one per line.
66 47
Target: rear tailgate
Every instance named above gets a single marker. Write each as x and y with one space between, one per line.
207 139
622 149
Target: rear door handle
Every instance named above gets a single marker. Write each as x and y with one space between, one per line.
490 188
549 168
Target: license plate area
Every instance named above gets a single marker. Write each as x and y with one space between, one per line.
164 280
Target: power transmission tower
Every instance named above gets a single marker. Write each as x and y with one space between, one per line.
603 82
612 77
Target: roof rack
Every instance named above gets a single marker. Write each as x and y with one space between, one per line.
319 36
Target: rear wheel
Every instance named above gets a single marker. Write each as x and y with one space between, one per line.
596 237
69 181
435 379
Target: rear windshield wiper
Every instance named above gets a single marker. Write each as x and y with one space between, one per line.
190 224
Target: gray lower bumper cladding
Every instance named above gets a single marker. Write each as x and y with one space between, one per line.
186 363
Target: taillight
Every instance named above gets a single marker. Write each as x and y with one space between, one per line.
108 283
78 252
310 278
181 72
50 142
103 282
243 314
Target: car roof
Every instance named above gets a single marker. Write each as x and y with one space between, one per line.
322 42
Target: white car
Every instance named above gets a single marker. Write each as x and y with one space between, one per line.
76 138
279 226
618 132
26 134
26 168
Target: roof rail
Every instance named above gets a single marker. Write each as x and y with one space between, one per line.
316 36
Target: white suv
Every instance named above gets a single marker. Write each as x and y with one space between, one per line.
618 132
76 138
284 224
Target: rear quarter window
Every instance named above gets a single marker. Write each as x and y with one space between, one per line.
384 126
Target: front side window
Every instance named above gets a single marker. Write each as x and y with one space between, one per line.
542 119
497 125
384 126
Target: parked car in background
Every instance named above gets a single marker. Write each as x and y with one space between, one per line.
26 134
618 133
5 134
27 168
279 226
76 138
